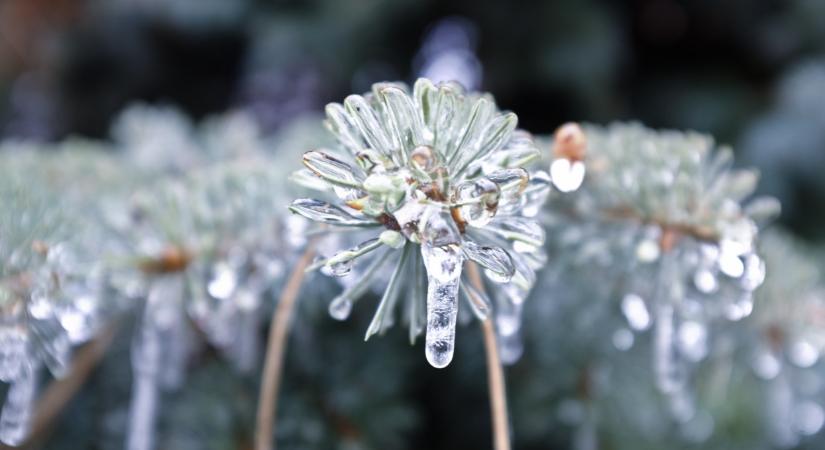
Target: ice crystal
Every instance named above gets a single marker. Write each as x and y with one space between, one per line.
439 174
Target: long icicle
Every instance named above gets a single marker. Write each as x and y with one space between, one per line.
495 373
148 351
276 348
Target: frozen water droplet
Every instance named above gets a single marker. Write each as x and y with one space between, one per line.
623 339
481 197
767 365
693 338
337 269
705 281
809 418
635 311
567 175
443 266
730 264
495 260
340 308
754 274
647 251
75 324
803 354
223 281
511 183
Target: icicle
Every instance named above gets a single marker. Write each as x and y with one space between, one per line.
151 357
246 346
780 412
14 420
585 437
669 372
443 273
510 348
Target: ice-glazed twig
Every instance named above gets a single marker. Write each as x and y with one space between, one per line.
276 347
495 373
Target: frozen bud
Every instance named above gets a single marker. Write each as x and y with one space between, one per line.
423 158
569 142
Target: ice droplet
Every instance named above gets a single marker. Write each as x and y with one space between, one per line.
340 308
567 175
693 337
635 311
803 354
730 264
705 281
481 197
338 269
14 420
766 365
809 417
495 260
511 183
443 266
223 282
623 339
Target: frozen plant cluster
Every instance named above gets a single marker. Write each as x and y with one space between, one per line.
674 228
436 177
50 292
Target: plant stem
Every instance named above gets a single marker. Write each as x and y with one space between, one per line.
276 348
495 374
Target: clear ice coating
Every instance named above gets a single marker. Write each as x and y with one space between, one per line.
14 419
444 273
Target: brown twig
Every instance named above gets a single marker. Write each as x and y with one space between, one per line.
61 391
495 374
276 348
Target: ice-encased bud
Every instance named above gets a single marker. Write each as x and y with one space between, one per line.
423 158
478 200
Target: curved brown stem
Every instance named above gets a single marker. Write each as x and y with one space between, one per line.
276 348
495 373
